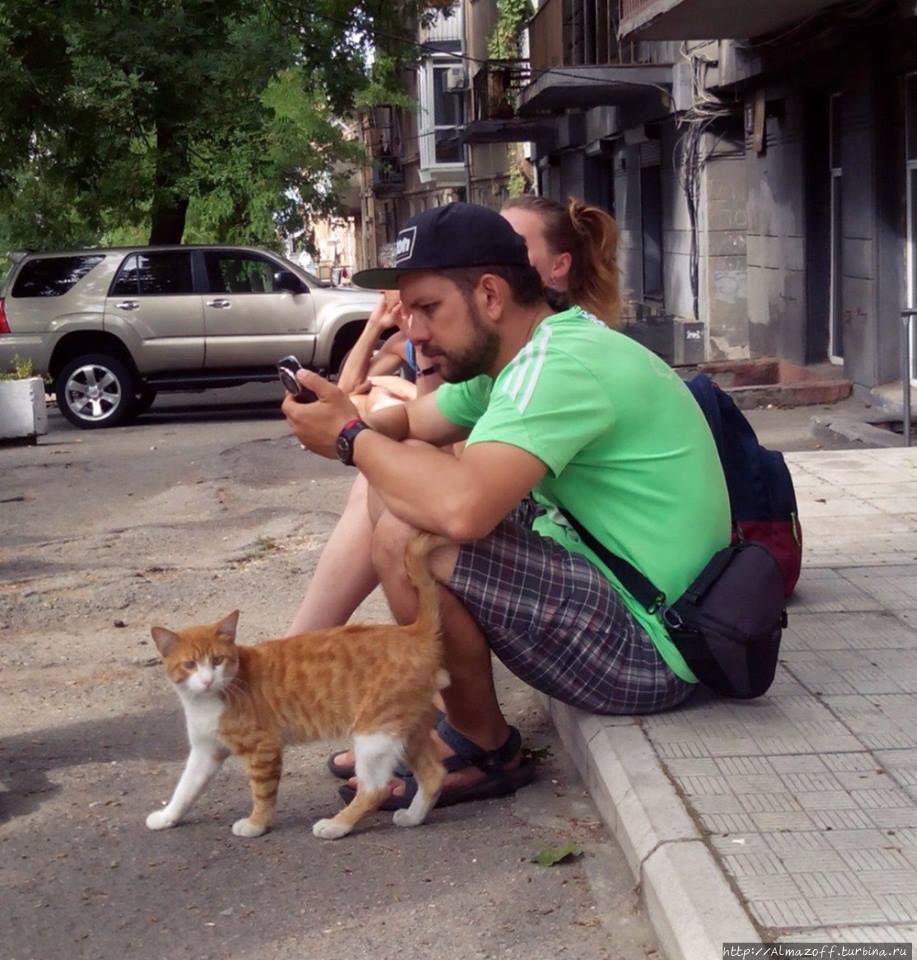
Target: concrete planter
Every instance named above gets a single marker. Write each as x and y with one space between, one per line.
23 414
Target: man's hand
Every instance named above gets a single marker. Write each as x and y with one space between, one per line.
318 424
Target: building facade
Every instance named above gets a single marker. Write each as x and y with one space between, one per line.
764 179
419 155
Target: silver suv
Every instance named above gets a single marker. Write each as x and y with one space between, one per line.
114 326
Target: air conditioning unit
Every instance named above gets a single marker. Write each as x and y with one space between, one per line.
456 80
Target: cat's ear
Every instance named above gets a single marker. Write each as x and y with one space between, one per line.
226 628
164 639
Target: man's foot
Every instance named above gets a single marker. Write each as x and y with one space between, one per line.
472 773
342 764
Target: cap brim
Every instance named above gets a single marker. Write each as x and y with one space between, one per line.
379 278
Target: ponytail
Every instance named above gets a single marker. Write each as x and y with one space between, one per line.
590 236
594 283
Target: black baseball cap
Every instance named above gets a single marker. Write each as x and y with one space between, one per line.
455 235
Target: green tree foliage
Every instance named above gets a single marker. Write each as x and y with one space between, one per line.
504 42
208 120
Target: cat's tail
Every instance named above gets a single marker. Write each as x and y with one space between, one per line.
416 562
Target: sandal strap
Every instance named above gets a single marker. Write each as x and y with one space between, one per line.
469 754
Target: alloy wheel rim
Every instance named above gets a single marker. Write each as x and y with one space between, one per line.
92 392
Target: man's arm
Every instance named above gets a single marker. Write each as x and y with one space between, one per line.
461 498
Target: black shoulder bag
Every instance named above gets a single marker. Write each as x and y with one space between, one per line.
727 624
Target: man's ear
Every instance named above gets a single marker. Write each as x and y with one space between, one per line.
164 639
226 628
492 291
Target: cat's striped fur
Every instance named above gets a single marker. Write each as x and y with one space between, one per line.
375 683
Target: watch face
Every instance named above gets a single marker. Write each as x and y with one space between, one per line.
343 449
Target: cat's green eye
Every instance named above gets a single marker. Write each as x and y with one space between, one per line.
217 661
189 664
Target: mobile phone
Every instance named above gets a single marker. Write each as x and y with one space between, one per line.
286 370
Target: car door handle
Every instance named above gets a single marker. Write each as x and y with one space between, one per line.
128 305
219 304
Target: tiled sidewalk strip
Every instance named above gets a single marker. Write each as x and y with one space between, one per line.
793 817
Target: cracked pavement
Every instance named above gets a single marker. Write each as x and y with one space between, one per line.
204 505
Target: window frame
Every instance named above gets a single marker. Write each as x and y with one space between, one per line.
910 235
427 127
835 231
195 280
15 280
654 171
229 253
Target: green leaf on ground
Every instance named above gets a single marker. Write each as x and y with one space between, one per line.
539 754
551 856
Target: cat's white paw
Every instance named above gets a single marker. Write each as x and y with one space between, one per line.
245 828
329 830
404 818
160 819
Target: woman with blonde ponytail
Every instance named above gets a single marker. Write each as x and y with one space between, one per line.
574 250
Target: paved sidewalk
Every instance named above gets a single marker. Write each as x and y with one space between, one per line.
793 817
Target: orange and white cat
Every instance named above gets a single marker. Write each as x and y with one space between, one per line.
375 683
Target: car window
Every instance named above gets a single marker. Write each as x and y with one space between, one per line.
52 276
162 272
229 272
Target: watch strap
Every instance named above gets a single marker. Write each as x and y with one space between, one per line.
346 437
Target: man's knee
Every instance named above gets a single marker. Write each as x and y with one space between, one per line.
390 537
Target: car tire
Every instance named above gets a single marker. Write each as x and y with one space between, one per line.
96 390
143 400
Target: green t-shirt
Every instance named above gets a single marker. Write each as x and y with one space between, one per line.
627 448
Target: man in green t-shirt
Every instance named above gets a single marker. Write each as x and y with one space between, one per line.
555 406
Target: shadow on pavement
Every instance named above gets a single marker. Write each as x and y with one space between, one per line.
26 760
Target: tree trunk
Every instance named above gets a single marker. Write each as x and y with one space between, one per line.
167 217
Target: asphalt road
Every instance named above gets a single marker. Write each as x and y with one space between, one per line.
204 505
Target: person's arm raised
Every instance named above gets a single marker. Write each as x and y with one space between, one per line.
360 362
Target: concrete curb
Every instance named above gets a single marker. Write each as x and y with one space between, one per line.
690 903
849 429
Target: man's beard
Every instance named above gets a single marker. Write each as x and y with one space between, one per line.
478 357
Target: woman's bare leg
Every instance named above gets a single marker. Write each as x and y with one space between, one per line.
344 576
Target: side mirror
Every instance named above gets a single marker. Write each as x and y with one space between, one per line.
284 280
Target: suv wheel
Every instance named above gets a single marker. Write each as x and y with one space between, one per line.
96 390
143 400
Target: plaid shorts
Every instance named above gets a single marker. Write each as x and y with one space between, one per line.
557 623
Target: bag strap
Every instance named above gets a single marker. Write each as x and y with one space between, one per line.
632 579
709 575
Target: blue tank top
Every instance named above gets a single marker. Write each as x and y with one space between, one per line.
410 360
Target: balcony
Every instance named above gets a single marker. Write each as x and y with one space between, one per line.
388 175
494 92
711 19
579 62
381 129
573 33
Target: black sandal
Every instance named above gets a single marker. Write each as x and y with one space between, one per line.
499 781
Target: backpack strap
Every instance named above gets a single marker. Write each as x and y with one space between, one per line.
636 584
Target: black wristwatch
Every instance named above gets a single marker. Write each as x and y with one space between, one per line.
345 440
